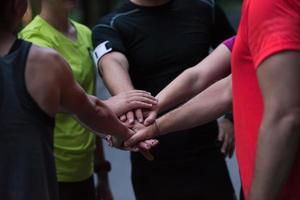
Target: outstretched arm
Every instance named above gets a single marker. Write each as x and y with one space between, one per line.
92 112
52 86
206 106
279 137
114 68
193 80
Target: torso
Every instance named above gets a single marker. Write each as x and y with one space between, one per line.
263 31
27 171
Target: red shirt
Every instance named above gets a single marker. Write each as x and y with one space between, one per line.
267 27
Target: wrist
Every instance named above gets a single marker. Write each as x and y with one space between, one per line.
124 134
157 131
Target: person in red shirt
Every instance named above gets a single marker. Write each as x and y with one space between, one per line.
266 100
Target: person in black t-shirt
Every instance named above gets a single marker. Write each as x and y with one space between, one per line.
34 84
146 44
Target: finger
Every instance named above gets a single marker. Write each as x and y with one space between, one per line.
225 145
150 119
143 97
135 139
144 150
130 117
123 118
147 155
138 92
138 104
221 134
139 115
151 142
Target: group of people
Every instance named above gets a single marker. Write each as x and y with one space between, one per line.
145 48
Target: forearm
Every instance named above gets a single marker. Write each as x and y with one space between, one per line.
115 74
188 83
101 120
205 107
196 79
278 144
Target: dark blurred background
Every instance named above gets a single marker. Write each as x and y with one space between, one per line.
89 11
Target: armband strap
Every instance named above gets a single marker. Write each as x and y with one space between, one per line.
100 51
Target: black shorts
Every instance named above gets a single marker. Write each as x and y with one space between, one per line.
201 177
82 190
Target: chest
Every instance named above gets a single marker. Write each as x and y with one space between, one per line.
175 37
78 57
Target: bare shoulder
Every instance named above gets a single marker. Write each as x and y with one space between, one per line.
46 72
46 59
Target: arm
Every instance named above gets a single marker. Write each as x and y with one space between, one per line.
193 80
207 106
98 117
279 81
52 86
114 67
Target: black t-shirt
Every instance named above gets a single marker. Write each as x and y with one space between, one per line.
160 43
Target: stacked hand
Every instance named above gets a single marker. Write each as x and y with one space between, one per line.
129 106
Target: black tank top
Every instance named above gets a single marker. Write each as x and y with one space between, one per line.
27 168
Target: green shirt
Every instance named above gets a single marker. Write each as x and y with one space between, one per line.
73 145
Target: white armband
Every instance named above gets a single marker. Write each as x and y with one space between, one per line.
100 51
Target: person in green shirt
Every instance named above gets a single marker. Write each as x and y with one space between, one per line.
74 145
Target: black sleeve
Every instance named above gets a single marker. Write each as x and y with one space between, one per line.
222 28
104 33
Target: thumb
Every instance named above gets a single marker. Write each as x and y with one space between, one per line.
150 119
147 154
132 141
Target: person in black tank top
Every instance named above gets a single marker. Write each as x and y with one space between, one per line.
27 162
34 84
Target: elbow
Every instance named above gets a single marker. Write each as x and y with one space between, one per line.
292 119
195 79
288 121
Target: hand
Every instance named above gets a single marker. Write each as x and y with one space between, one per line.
149 115
226 136
143 133
143 147
131 100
